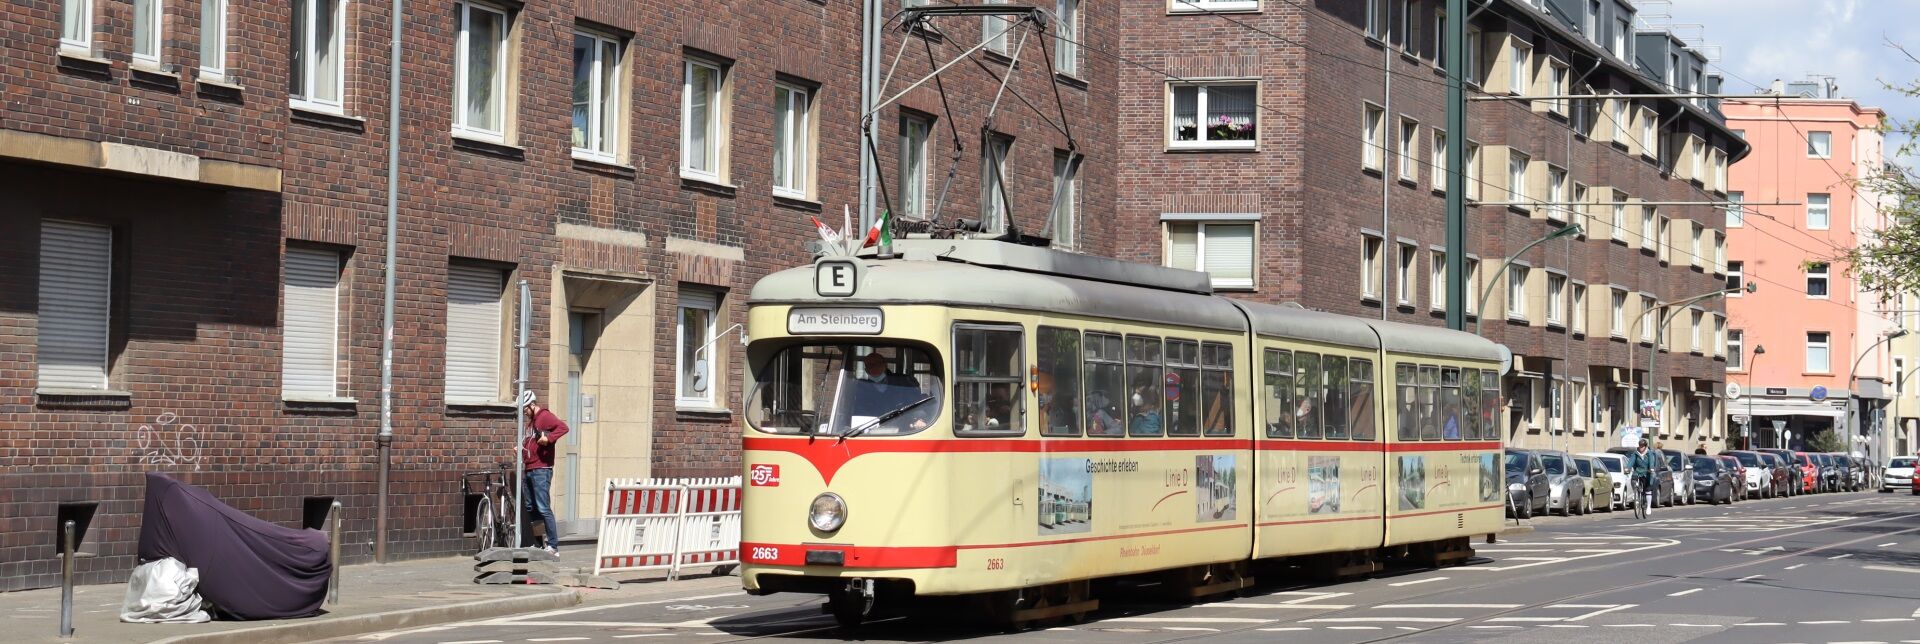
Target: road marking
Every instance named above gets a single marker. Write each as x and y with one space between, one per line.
1601 536
1502 551
1697 625
1841 556
1627 625
570 611
1686 592
1059 628
1887 544
556 639
1491 627
480 641
1603 610
1449 606
1190 628
1535 559
1891 568
1795 566
1603 551
1189 620
1826 621
1418 581
1285 629
1295 606
1528 619
1916 612
1524 562
1747 578
1563 625
1885 620
627 637
1761 624
1408 628
1337 620
1353 628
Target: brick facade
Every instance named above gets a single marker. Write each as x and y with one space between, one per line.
197 311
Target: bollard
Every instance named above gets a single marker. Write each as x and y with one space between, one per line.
333 547
66 579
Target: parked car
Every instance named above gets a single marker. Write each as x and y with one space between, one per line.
1527 491
1739 472
1829 473
1809 472
1899 474
1680 468
1853 473
1566 489
1669 493
1615 467
1782 472
1599 483
1711 479
1757 479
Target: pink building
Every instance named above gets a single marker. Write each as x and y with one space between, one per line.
1794 343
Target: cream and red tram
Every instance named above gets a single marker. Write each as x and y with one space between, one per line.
1009 423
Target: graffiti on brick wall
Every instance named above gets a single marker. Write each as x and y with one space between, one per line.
168 442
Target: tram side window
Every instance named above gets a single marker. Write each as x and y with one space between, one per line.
1143 382
987 380
1409 392
1279 373
1106 385
1058 378
1429 403
1450 403
1307 385
1360 373
1470 403
1217 390
1489 404
1183 387
1334 410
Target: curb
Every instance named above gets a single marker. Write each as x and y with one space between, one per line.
1515 530
321 629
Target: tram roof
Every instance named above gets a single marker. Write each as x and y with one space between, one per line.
1296 323
1435 341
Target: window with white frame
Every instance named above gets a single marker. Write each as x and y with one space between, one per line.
1649 132
1371 274
596 95
1735 210
1517 292
147 36
1557 193
1819 145
1622 28
1213 115
1697 252
1473 286
1818 206
1066 214
1440 37
319 50
1409 35
1557 85
213 39
1697 159
1618 322
1619 220
1476 42
310 323
1223 250
1517 178
1817 352
1736 349
1556 298
792 141
480 73
1649 231
696 323
1736 278
76 279
1519 68
1695 339
1404 284
1473 170
1592 25
1372 142
702 105
1719 336
76 25
1580 208
912 173
1578 308
1178 6
993 181
1649 317
1409 149
1437 280
1720 170
475 332
1817 280
1439 153
1620 120
995 31
1899 374
1665 240
1066 53
1376 20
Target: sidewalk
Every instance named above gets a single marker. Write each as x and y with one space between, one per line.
373 597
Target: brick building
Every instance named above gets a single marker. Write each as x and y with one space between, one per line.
194 230
1294 149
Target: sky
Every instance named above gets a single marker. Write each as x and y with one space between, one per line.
1761 40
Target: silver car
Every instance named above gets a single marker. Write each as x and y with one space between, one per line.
1566 489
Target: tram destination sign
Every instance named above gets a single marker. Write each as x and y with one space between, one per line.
837 321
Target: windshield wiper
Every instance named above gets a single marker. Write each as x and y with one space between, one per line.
895 413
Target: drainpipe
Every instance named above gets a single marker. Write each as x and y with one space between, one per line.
1389 249
385 438
871 15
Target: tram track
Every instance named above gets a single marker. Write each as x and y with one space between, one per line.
1580 569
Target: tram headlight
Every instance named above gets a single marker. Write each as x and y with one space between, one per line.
827 513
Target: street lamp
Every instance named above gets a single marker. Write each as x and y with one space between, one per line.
1852 375
1753 370
1487 291
1653 353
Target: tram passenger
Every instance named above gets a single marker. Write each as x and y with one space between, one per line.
1146 412
1060 409
1101 417
879 390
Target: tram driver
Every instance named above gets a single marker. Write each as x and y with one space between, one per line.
879 390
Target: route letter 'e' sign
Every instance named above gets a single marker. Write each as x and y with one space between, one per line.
836 277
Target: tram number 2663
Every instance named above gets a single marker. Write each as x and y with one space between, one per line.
765 554
996 564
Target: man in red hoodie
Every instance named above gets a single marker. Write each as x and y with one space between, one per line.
543 430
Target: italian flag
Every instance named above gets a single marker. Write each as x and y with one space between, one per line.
880 233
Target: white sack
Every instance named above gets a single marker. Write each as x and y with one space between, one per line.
162 592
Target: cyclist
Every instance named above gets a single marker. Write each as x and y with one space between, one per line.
1641 468
543 430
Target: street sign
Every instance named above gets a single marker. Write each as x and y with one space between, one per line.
1818 394
1733 390
1742 419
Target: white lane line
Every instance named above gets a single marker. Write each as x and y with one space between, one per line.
1761 624
556 639
1602 611
1282 606
1841 556
1891 568
1826 621
1601 536
628 637
1408 628
1888 544
696 623
1627 625
1502 551
1604 551
1747 578
1449 606
1916 612
1795 566
1059 628
1696 625
1563 625
1353 628
1535 559
480 641
1686 592
1885 620
1484 627
1305 596
1284 629
1528 619
1190 628
1340 620
570 611
1188 620
1418 581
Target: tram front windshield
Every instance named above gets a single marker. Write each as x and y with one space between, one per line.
846 389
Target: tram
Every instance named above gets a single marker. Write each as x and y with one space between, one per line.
1012 426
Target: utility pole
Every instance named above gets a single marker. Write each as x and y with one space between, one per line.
1456 44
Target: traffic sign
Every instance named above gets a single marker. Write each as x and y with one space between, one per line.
1818 394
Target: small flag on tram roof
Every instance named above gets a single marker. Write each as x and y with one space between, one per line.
880 232
828 235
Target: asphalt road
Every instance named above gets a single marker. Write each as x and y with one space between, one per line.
1826 568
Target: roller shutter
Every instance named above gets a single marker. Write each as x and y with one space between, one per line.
473 333
1229 254
311 326
76 262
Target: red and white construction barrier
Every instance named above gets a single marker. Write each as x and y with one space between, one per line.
658 524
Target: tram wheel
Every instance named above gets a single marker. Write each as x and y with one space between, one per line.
849 609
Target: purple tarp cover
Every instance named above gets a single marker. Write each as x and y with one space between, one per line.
249 568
